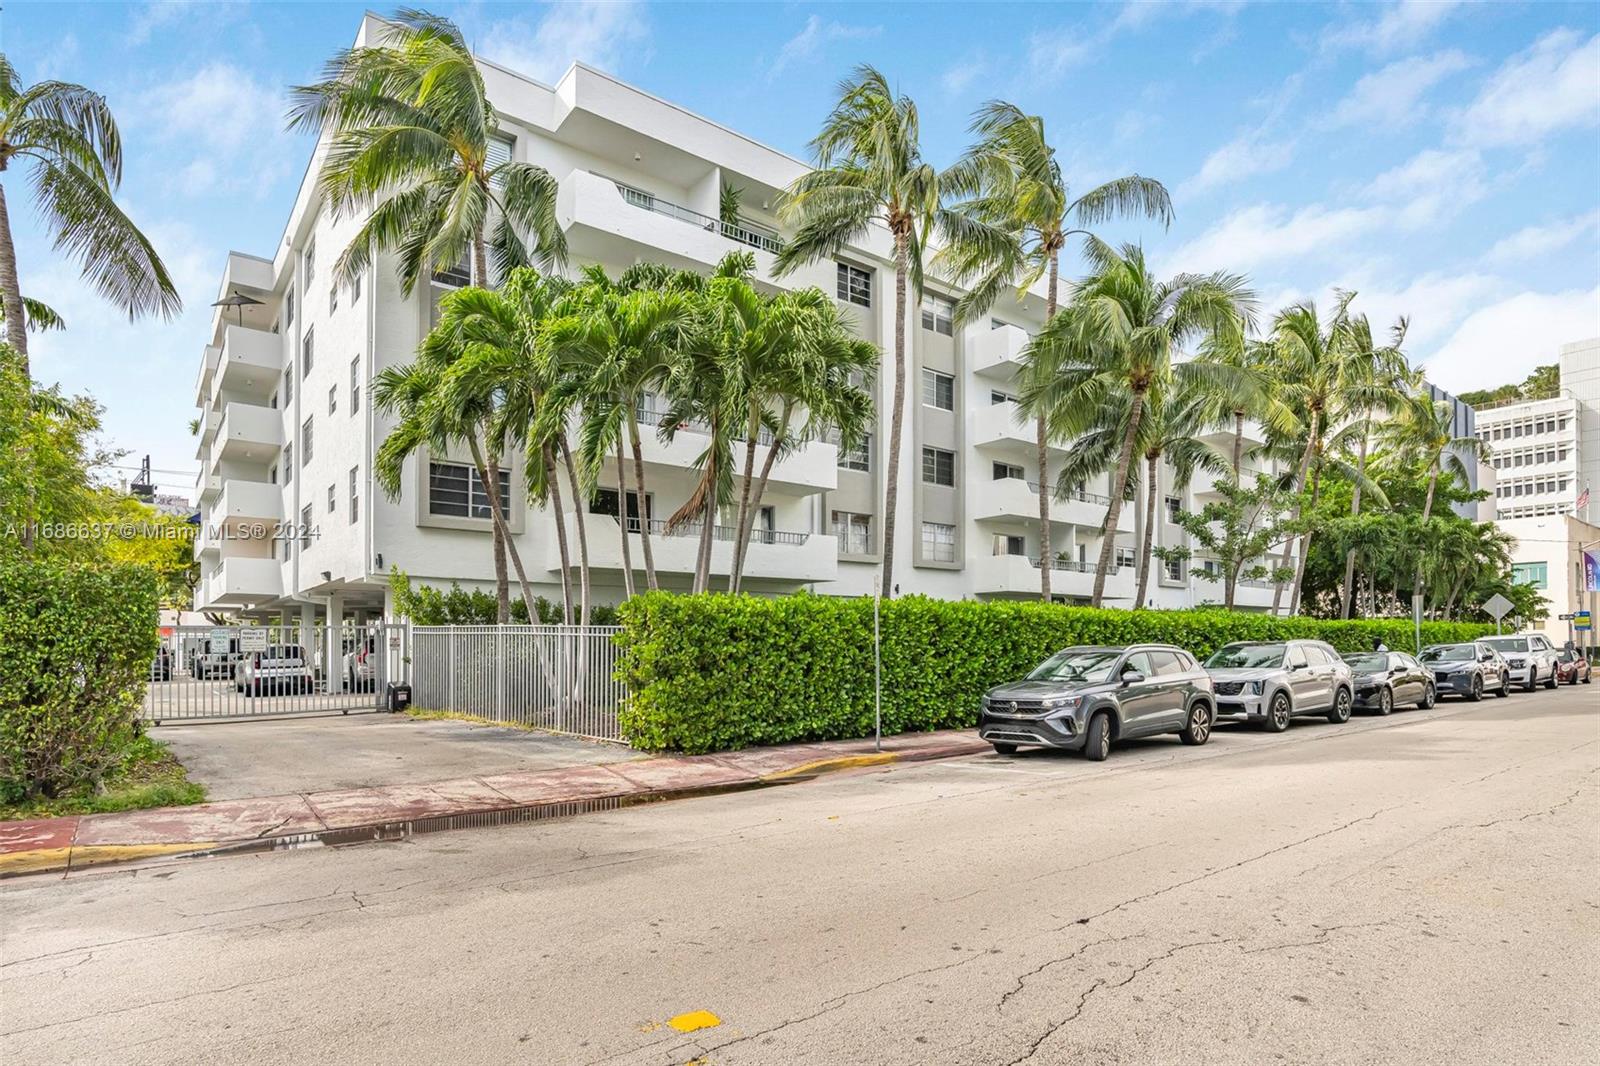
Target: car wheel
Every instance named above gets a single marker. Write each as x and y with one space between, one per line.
1198 729
1098 742
1430 695
1550 682
1004 749
1385 701
1533 678
1505 685
1278 713
1476 692
1340 712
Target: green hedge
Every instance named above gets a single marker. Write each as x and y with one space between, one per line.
76 645
715 673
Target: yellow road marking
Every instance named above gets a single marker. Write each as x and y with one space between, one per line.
695 1019
823 766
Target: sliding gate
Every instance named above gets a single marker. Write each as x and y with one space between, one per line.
207 672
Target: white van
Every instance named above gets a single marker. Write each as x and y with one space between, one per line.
281 668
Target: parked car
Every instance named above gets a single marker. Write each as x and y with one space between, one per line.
1469 669
161 665
1385 680
1086 698
360 664
1572 667
280 669
1530 657
215 663
1270 682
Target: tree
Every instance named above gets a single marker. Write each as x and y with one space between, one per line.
1172 430
1010 217
1237 531
869 168
410 129
69 139
1119 335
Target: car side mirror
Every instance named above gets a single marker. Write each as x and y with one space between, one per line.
1300 666
1131 677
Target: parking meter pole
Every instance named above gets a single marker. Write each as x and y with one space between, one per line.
877 676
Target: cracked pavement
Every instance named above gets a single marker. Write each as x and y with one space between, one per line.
1423 888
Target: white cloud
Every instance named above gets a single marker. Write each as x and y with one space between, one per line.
959 76
812 38
221 127
1505 340
1553 85
1265 234
1245 156
1393 96
166 16
1534 242
1431 186
1051 53
1400 26
606 35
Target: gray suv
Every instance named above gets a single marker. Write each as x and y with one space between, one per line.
1469 669
1084 698
1270 682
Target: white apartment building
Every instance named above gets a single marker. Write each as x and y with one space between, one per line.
1547 451
288 430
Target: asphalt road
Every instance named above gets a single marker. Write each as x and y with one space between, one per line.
1418 889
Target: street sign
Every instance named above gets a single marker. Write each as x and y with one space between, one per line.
1497 606
220 639
253 639
1582 621
1564 617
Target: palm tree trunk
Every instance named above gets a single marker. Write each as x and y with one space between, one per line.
1119 484
1042 441
739 531
547 456
1305 538
1299 487
489 474
1347 590
1149 533
644 509
622 523
708 529
578 510
891 492
1238 447
760 492
11 290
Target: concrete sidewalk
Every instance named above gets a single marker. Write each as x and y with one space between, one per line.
62 845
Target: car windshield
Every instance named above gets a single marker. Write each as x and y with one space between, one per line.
1449 653
1091 665
1247 657
1507 643
1368 662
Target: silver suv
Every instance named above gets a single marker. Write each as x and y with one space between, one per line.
1529 657
1269 682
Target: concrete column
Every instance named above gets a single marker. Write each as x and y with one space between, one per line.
308 628
333 651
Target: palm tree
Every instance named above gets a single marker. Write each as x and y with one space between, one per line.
1172 428
1119 335
869 168
67 135
1250 389
412 131
1010 218
1422 431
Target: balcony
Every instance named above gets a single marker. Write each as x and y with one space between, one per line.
208 367
249 433
998 353
804 471
611 219
1004 427
1014 498
1018 575
208 487
777 555
250 364
240 581
249 500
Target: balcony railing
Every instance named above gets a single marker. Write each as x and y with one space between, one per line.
659 528
655 418
744 231
1074 566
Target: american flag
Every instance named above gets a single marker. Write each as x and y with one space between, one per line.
1583 498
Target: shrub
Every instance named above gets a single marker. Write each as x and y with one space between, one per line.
713 673
425 605
76 645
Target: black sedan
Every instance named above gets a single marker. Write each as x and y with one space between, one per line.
1385 680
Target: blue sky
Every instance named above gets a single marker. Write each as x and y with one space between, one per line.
1442 159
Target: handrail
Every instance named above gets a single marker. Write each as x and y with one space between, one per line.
659 528
744 231
1074 566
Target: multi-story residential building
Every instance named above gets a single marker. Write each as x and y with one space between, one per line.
289 430
1463 424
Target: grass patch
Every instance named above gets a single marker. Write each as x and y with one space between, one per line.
149 776
423 714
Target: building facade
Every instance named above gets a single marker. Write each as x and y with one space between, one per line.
293 523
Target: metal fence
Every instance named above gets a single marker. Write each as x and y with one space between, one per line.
560 678
221 672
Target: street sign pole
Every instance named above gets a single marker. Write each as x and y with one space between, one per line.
877 674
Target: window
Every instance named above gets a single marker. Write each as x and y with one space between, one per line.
355 384
1002 471
305 355
454 489
1174 568
997 397
333 498
938 542
272 476
1009 544
305 444
1139 662
938 313
288 388
1174 506
288 305
333 399
855 285
1294 656
310 261
499 151
1166 663
355 494
604 502
288 462
1535 574
305 527
1124 557
857 458
938 390
854 533
938 466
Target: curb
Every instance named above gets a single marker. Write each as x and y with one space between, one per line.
64 860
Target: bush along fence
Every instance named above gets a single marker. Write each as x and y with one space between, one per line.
715 673
75 651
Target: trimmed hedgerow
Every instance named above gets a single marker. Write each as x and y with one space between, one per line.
715 673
